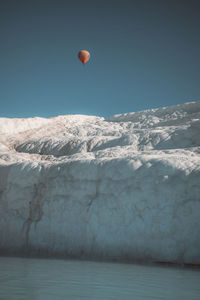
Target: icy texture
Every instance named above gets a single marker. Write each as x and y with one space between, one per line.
127 187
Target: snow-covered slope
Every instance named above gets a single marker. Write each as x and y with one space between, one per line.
127 187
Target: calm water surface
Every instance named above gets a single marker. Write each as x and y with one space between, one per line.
47 279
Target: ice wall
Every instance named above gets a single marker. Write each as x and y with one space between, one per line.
126 188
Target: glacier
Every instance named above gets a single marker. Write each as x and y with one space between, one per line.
124 188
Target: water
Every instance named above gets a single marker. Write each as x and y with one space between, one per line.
47 279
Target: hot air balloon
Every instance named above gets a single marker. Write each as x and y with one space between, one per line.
83 56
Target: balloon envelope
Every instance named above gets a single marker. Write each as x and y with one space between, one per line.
84 56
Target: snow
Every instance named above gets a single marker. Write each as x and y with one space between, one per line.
125 188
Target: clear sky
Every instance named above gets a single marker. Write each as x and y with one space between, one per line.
144 54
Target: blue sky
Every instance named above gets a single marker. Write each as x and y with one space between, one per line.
144 54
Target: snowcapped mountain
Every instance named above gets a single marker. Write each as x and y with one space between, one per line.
126 187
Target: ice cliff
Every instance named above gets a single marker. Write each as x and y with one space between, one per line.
126 187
